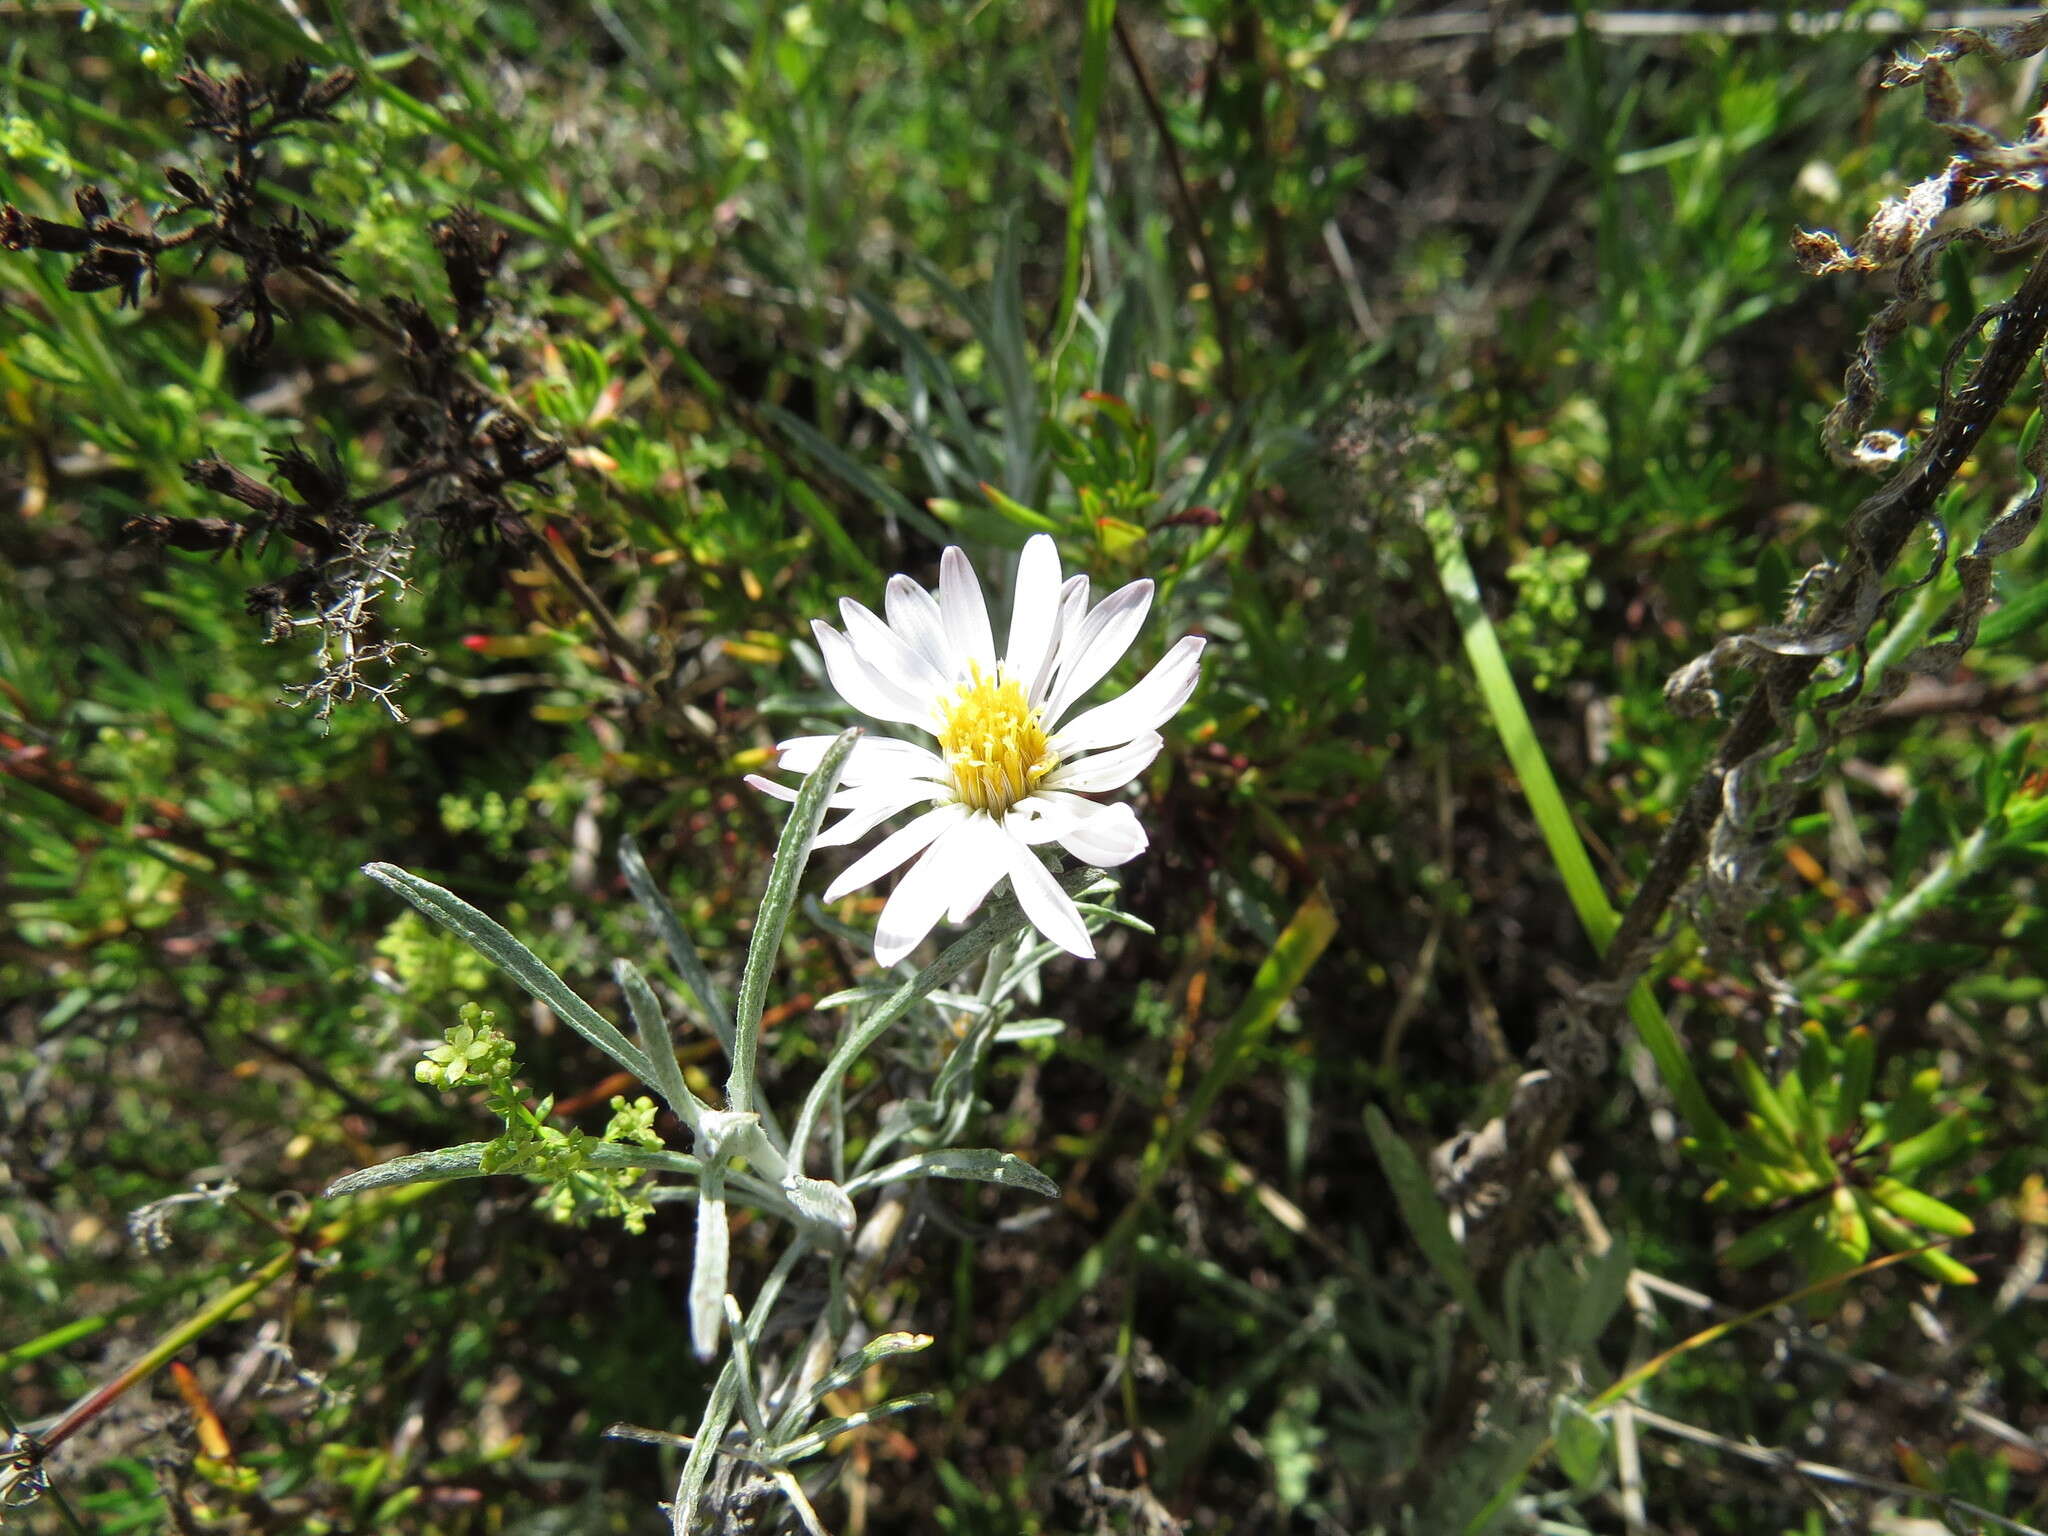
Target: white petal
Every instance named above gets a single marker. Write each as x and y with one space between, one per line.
1034 612
1102 835
1107 770
914 615
1051 910
1146 707
856 799
861 686
1098 645
982 864
963 612
858 823
770 787
1073 611
874 758
921 897
886 652
894 849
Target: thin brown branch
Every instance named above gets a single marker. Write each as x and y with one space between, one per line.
1191 213
593 605
1820 1472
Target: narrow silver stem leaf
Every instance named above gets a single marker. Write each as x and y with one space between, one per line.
792 852
708 1268
659 1044
829 1430
983 1163
743 1361
466 1162
854 1366
463 1162
1005 918
696 1471
822 1202
491 940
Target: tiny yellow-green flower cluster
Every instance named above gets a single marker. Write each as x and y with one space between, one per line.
473 1053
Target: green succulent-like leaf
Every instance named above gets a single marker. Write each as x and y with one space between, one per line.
1946 1138
1913 1111
1770 1107
1770 1236
1908 1204
1859 1063
1900 1238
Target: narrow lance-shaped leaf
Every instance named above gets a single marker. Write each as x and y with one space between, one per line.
1765 1098
1847 1226
1004 918
1580 1440
1424 1214
659 1044
982 1163
1900 1238
856 1365
491 940
828 1430
463 1162
675 939
1859 1066
718 1412
466 1161
743 1362
792 853
820 1202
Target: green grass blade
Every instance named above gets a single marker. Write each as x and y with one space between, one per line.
1546 802
1087 113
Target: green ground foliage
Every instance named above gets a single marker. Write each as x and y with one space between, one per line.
429 444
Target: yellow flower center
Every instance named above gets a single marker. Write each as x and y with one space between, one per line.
993 742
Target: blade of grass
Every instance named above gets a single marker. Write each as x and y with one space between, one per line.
1101 20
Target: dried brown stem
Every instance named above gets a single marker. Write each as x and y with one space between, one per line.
1880 529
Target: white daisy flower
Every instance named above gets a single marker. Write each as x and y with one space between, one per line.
1008 776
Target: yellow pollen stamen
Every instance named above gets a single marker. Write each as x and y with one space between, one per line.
994 743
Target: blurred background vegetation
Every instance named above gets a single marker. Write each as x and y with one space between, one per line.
806 292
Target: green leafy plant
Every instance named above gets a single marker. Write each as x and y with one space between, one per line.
740 1153
1836 1169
